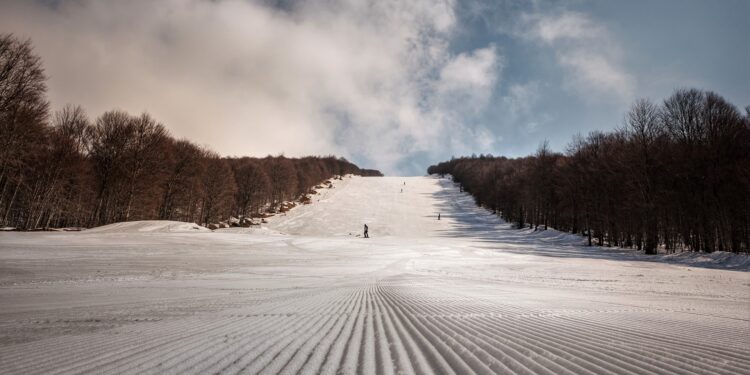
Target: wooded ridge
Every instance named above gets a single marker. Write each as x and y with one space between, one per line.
675 176
65 170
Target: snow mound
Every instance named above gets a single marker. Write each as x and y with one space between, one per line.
718 259
259 230
565 242
152 226
554 236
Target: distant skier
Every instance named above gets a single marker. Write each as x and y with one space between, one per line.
438 215
366 234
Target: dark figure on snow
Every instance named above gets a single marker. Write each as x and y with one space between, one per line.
366 234
438 216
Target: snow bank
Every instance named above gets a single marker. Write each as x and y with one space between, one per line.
718 259
554 236
257 230
153 226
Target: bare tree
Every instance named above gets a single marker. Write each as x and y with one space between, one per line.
677 176
123 167
143 159
109 145
23 112
219 187
644 127
180 188
283 176
253 187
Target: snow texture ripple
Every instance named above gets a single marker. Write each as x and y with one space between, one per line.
306 294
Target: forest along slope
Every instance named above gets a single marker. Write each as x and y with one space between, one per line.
465 294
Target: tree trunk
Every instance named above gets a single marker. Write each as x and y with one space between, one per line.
12 200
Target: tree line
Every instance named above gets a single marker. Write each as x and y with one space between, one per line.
675 176
64 169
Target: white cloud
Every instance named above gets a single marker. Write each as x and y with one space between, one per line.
568 25
484 139
597 72
531 127
521 100
521 110
587 50
469 78
370 79
465 84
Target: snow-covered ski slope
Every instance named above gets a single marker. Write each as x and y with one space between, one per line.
466 294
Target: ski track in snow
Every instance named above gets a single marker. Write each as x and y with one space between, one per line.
466 294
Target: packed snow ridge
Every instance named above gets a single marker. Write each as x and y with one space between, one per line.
307 294
152 226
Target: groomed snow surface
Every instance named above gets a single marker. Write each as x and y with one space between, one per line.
305 294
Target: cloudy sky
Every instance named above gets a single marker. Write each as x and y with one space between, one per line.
389 84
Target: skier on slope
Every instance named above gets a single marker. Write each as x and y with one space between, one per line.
366 235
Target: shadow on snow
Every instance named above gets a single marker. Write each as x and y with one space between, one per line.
467 220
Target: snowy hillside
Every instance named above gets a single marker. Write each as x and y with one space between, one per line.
152 226
306 294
